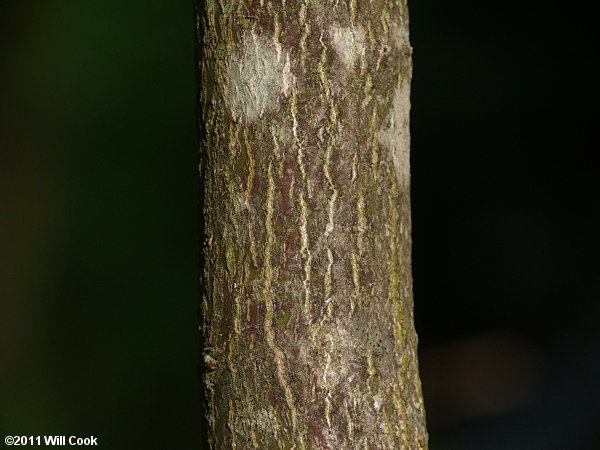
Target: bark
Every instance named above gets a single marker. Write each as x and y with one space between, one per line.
307 288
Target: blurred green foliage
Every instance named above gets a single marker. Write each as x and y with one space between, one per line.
99 194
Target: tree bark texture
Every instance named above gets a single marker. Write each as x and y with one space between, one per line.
307 302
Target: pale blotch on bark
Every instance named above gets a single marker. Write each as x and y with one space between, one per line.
397 136
349 43
257 76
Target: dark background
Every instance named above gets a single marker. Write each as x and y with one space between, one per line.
99 214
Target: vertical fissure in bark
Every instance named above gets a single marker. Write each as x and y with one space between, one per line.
307 309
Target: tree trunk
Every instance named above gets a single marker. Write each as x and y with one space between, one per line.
307 305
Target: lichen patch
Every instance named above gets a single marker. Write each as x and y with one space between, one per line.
396 136
349 43
256 77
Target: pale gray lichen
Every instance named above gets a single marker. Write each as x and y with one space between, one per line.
349 43
396 137
281 133
256 77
